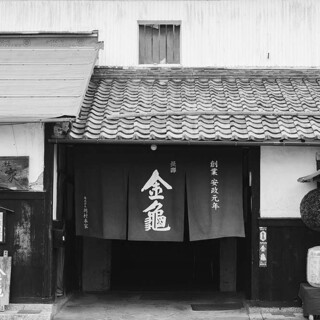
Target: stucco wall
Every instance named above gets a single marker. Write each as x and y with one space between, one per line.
25 140
281 194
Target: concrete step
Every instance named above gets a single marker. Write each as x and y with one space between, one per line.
20 311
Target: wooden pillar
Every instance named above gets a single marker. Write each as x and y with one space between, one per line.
254 168
318 166
228 264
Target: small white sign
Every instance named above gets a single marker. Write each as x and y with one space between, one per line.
263 233
263 254
263 247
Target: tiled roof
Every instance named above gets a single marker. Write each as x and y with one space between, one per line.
200 105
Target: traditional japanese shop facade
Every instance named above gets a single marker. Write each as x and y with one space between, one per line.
225 145
192 173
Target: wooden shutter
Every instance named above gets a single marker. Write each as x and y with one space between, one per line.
159 43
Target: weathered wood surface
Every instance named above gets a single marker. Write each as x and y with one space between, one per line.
38 72
208 72
25 234
254 156
311 177
287 253
37 107
220 33
47 56
42 66
314 176
31 88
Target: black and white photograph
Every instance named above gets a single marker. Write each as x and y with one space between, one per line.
160 159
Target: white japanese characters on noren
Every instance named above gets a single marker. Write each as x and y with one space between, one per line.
214 185
156 220
85 213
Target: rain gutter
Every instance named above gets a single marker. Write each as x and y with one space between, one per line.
184 142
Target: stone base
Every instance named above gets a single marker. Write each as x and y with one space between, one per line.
17 311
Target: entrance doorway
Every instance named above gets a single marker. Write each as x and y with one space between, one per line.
159 265
165 266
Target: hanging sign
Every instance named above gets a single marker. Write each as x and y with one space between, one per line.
101 196
214 194
5 278
156 199
263 246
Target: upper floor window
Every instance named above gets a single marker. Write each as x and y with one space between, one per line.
159 43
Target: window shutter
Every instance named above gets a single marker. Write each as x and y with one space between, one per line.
159 44
170 44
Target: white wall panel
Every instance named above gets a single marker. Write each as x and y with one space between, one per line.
25 140
281 193
220 33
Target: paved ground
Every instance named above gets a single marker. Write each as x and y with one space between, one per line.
165 306
19 311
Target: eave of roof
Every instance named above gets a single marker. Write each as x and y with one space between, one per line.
167 72
201 105
44 76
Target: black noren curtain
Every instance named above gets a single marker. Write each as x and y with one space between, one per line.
156 198
101 196
214 194
144 192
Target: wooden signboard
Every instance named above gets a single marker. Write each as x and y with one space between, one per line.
14 173
5 277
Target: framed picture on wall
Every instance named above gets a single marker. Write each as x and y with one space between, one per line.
14 173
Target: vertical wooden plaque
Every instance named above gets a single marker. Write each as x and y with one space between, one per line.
5 277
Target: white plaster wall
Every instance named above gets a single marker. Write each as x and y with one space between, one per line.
25 140
219 33
281 194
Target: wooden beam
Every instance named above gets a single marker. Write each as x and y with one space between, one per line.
311 177
254 168
318 167
314 176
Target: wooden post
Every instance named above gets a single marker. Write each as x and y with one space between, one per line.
318 166
228 264
5 277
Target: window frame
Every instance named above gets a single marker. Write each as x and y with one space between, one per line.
159 22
